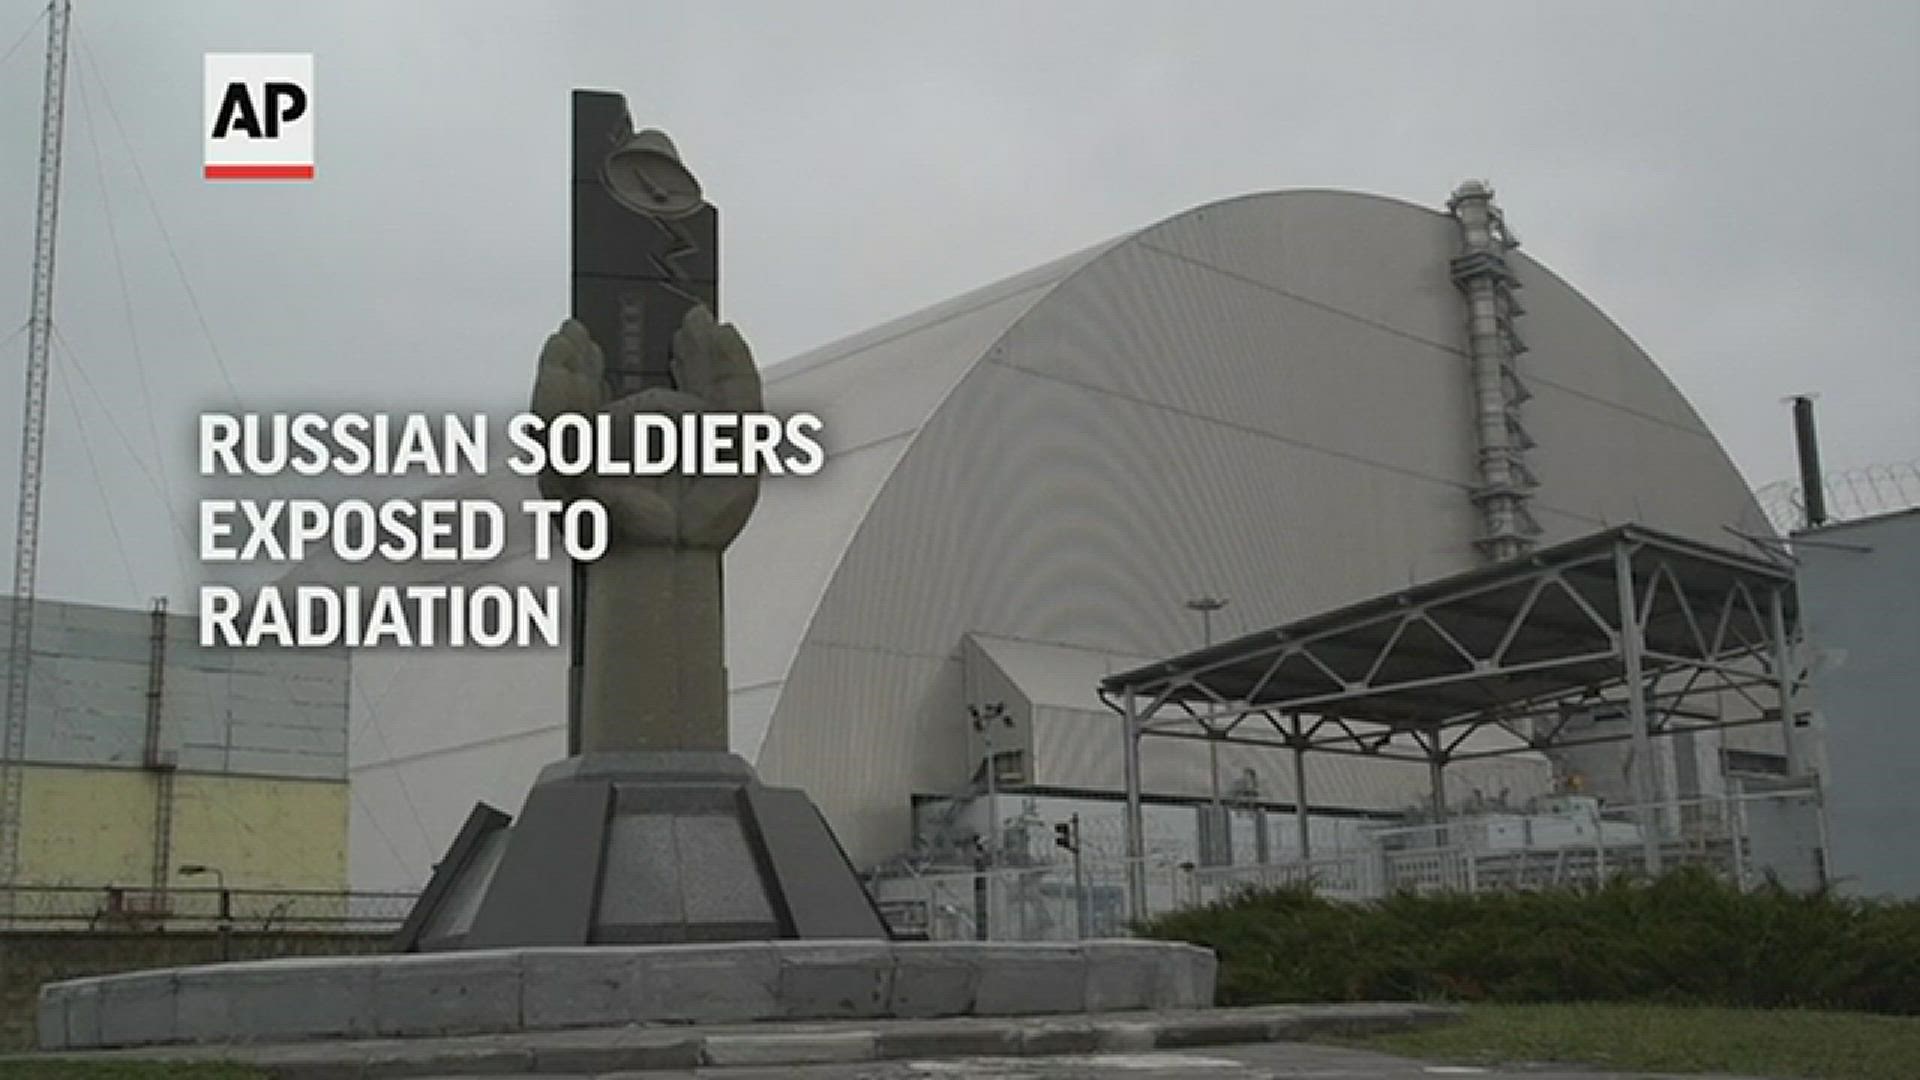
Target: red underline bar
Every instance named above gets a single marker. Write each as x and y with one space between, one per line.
259 172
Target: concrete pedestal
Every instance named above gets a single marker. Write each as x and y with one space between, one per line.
644 847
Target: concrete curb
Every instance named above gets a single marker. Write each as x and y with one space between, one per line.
641 1049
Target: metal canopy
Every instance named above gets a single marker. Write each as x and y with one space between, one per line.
1526 646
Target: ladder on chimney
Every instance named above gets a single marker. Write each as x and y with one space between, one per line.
159 760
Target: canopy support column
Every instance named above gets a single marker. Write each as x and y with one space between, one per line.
1300 823
1631 647
1783 676
1136 844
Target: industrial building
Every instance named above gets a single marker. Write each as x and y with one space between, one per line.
1291 402
1860 588
146 755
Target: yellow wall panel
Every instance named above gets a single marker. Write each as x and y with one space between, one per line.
94 827
86 827
262 834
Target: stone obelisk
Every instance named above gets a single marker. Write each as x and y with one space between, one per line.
650 830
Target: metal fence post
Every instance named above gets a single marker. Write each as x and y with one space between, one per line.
1079 883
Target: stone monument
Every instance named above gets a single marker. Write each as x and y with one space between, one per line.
650 831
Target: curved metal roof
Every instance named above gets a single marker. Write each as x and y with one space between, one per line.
873 392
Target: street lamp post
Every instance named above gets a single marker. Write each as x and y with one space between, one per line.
1206 606
219 882
225 927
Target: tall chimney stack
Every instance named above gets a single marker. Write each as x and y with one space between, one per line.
1813 490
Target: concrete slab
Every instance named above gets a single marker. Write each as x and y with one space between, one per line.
579 987
138 1009
834 980
319 998
711 984
1202 976
1031 980
446 994
1183 979
933 979
1121 976
83 1014
51 1021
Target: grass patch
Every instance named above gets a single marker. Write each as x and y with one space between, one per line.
127 1070
1752 1042
1686 939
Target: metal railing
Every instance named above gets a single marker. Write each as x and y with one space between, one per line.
62 907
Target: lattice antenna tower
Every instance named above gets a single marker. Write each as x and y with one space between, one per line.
33 430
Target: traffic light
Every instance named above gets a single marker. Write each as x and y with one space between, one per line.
1065 835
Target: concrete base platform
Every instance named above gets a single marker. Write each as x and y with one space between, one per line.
654 848
521 990
788 1049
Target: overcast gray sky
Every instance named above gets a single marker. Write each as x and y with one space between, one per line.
1738 184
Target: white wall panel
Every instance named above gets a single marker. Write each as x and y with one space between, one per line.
411 702
1860 597
406 812
898 728
267 712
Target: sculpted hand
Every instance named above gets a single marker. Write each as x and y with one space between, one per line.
713 372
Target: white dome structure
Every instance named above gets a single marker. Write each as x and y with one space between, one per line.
1267 399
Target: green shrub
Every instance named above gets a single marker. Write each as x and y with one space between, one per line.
1685 938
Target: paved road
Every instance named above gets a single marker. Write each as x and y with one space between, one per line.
1264 1061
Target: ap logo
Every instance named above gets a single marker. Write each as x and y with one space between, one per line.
259 116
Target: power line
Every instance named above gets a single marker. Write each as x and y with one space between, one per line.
153 208
135 456
25 34
379 829
399 774
100 487
126 294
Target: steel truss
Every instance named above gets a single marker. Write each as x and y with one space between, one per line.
1525 648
